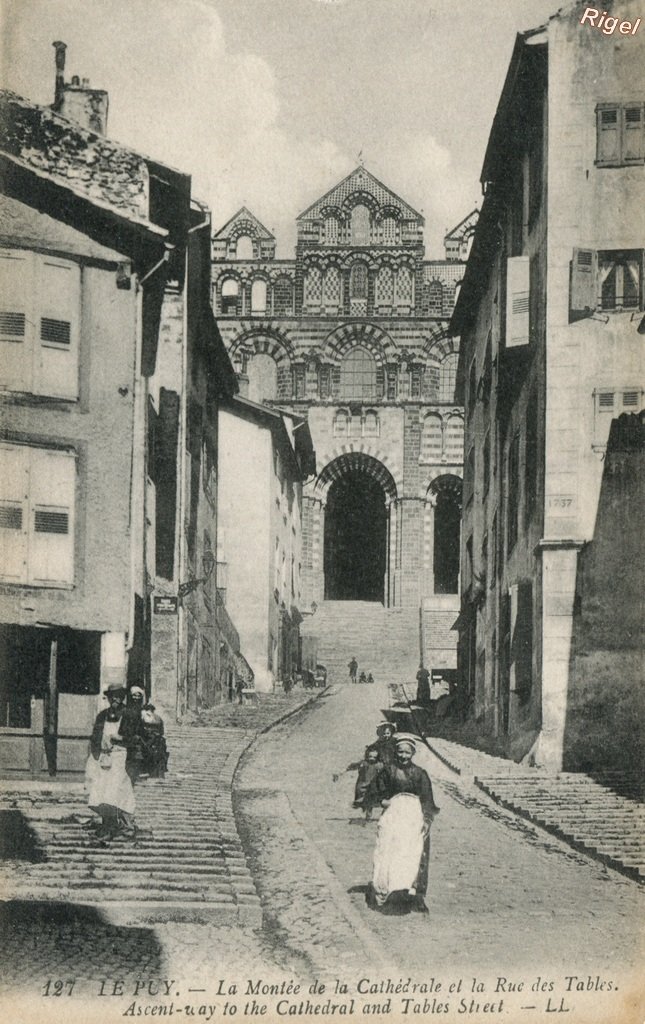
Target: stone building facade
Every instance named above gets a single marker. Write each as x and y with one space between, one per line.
352 335
550 317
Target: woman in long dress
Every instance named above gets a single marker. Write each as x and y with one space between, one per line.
110 792
403 838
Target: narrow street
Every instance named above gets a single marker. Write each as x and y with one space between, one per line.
504 897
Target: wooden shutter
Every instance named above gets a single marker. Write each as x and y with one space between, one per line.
59 308
608 130
14 512
16 319
52 484
584 282
633 130
517 301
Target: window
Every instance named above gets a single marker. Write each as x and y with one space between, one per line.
370 424
611 402
454 439
435 298
259 296
230 297
360 225
282 297
358 281
263 378
432 439
341 423
619 134
313 287
385 287
609 279
298 381
37 491
244 248
448 378
517 301
40 310
358 374
512 494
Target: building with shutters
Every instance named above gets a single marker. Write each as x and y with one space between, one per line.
351 335
110 368
551 322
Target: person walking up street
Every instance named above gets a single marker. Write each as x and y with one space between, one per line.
423 686
353 669
109 785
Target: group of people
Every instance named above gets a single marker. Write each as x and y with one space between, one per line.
389 778
354 677
127 742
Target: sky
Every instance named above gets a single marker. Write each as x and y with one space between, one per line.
268 103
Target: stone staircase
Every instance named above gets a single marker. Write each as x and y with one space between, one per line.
186 862
596 817
384 641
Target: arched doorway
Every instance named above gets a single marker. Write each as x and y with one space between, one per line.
355 539
358 495
446 497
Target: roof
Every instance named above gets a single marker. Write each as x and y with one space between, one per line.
244 214
464 228
296 436
360 180
106 175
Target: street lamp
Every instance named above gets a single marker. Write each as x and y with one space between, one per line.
208 564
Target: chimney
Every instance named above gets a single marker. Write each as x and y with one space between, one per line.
76 100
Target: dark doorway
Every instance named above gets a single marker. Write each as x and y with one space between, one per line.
355 539
447 522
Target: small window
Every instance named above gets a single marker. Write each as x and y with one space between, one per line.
358 374
611 402
448 377
230 297
517 301
358 281
370 424
620 279
341 423
360 225
620 132
259 296
244 248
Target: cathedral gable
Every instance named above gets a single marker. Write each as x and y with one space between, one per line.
361 187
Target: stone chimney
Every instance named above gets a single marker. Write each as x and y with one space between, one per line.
76 101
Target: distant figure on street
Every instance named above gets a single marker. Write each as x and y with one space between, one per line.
353 669
109 784
401 855
366 793
385 745
423 685
239 689
370 677
362 678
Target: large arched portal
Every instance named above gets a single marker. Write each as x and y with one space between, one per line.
359 491
445 494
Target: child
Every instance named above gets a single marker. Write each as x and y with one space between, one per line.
365 793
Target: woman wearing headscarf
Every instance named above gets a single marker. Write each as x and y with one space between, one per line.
403 838
110 786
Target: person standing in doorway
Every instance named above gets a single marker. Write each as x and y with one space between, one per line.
353 669
423 686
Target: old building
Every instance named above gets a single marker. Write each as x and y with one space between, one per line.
95 240
550 316
264 457
351 335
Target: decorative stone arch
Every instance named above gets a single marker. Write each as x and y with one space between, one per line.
360 197
443 480
243 227
358 255
389 210
439 343
345 459
264 340
367 335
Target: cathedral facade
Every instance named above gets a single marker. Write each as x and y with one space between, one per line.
352 334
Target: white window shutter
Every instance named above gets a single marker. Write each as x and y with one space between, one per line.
517 301
633 133
52 491
608 135
584 282
16 319
14 512
58 328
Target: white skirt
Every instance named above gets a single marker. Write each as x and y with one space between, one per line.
399 847
110 784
